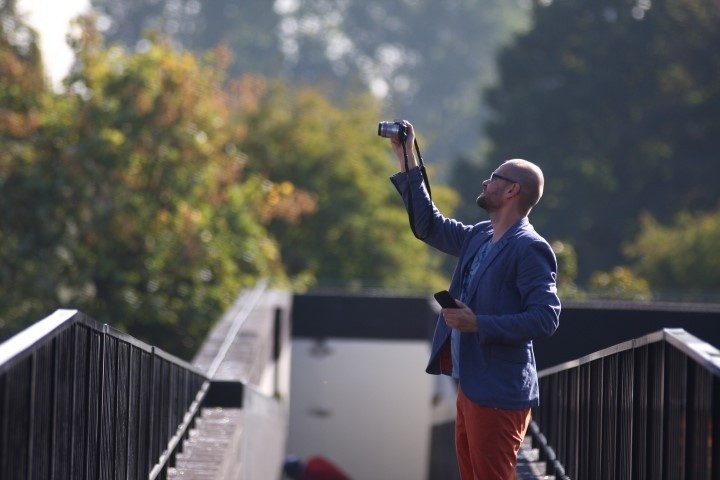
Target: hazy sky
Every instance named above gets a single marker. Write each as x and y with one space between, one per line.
51 18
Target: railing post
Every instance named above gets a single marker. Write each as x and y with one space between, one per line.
277 347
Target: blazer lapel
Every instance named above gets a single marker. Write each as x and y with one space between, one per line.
473 250
491 255
489 258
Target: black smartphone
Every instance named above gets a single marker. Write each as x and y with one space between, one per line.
445 299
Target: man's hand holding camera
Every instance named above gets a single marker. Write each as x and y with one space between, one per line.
398 131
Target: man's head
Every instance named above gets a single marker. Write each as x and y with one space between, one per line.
517 181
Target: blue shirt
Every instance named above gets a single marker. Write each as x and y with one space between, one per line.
467 278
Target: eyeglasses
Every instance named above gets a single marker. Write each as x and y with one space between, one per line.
494 175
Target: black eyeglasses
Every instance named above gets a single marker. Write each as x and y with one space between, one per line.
494 175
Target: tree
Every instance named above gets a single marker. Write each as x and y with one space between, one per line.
426 59
249 27
155 191
567 270
680 260
619 283
619 103
23 95
151 222
359 235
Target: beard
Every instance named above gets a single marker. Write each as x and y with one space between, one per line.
485 202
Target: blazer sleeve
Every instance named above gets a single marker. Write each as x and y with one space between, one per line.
438 231
539 305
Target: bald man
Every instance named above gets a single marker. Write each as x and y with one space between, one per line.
505 288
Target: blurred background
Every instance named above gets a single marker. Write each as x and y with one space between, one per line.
160 155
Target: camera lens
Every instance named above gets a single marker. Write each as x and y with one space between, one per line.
391 130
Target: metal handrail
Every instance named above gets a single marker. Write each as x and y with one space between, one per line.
248 304
237 323
81 399
648 408
21 344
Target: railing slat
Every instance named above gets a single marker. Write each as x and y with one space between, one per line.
18 394
656 410
4 427
41 406
144 417
80 397
676 392
62 406
640 414
699 426
107 410
122 392
133 412
623 446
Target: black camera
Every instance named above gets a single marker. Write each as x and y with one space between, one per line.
396 129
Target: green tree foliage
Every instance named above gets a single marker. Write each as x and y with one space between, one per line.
250 27
681 257
427 57
152 190
567 270
22 96
146 214
620 283
359 236
166 223
619 103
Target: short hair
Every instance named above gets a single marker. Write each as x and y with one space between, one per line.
531 180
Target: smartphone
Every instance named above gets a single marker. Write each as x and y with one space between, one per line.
445 299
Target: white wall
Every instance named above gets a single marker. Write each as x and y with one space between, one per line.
366 405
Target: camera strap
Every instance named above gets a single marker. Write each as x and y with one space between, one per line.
423 173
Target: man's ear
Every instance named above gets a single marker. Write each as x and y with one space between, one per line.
513 190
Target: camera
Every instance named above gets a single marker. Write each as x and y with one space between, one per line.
396 129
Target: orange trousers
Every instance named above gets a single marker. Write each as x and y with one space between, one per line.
487 439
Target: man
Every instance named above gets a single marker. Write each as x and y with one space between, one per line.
504 285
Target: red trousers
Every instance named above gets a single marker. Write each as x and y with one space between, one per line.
487 439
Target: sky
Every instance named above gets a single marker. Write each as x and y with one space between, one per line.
51 19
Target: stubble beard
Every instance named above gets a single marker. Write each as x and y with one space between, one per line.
482 201
486 203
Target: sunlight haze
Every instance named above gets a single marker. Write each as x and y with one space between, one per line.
51 19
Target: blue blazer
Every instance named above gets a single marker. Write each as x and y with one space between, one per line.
513 295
